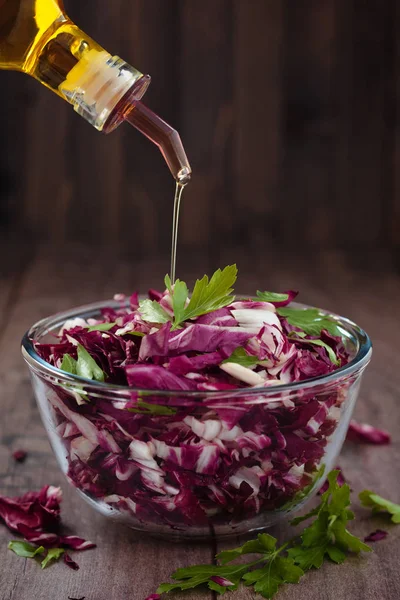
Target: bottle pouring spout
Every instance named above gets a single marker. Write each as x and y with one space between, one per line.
165 137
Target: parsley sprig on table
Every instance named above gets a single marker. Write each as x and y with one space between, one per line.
379 504
326 538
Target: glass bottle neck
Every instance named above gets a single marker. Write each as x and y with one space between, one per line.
98 82
79 70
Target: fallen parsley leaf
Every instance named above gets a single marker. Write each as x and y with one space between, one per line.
241 357
24 549
102 327
272 297
379 504
276 572
152 312
310 320
207 296
53 554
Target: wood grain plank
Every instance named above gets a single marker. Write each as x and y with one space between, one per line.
124 565
206 70
309 125
259 52
360 86
13 104
44 178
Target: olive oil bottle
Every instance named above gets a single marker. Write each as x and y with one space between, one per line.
38 38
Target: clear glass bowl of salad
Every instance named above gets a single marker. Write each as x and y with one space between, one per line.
214 425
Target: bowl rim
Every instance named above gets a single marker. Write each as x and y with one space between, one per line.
48 324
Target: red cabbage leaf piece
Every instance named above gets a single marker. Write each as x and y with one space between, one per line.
364 433
194 338
35 510
19 456
181 365
70 562
76 543
376 536
153 377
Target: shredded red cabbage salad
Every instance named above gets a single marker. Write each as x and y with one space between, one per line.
190 459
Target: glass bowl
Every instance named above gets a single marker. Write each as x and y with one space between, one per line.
193 465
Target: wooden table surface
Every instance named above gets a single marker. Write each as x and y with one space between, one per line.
127 566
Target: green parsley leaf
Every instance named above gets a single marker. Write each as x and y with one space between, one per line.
241 357
192 577
152 312
102 327
310 320
272 297
208 295
279 570
68 364
263 544
136 333
379 504
53 554
145 408
330 352
87 367
24 549
179 299
327 535
168 284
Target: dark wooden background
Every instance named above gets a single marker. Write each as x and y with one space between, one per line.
288 111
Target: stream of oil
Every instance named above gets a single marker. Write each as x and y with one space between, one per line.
175 227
